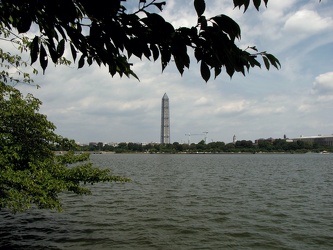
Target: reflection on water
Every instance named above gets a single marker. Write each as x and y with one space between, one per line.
190 202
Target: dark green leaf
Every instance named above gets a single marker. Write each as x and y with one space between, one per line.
253 61
61 48
61 31
240 3
217 71
165 55
246 4
34 49
154 49
203 22
160 5
134 47
73 50
112 68
230 70
198 54
273 60
81 61
237 3
266 62
182 61
228 25
199 6
24 23
205 72
52 51
95 32
43 58
180 65
89 60
257 4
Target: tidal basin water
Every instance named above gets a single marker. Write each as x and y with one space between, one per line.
225 201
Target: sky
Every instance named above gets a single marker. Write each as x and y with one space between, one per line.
88 105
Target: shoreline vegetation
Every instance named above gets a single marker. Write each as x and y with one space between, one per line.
239 147
194 153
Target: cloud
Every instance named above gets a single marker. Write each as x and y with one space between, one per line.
323 84
202 101
307 23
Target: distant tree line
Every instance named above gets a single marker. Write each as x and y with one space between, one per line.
242 146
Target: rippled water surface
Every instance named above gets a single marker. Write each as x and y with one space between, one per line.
190 202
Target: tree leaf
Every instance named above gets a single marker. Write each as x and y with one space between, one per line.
230 70
24 23
53 53
203 22
73 50
257 4
81 62
199 6
228 25
34 49
43 58
112 68
198 54
205 72
154 49
160 5
89 60
61 48
266 61
165 56
274 61
253 61
179 64
217 71
61 30
246 4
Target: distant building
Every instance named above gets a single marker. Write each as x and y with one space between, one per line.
322 140
165 120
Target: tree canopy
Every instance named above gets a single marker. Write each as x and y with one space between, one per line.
111 35
30 172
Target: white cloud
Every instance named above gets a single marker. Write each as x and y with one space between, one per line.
307 22
202 101
232 107
323 84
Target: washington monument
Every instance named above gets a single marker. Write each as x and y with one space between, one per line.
165 121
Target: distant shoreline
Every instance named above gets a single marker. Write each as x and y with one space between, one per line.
187 153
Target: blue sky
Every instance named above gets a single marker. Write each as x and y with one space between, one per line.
89 105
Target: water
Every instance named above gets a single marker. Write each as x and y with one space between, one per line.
190 202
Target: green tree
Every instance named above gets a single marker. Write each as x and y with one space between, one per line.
265 145
30 172
243 144
178 147
216 146
229 147
201 146
108 147
110 35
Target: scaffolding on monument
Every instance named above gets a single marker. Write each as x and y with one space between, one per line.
165 120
